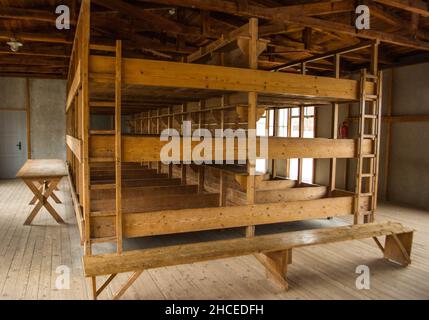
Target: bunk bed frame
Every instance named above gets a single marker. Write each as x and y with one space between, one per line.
120 189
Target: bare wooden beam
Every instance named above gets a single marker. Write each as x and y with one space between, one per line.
398 21
118 145
416 6
29 14
152 73
280 15
137 149
219 43
162 23
36 37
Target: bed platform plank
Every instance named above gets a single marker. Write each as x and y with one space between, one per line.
189 220
142 72
136 260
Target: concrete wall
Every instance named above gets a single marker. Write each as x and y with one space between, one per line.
408 175
47 109
407 179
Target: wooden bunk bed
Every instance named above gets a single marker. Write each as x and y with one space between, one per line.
121 189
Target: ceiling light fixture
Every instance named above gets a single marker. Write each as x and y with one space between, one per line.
14 45
172 11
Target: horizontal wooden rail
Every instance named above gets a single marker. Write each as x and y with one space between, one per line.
148 148
188 220
77 207
75 85
197 76
74 145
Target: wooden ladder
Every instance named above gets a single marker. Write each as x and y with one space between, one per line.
117 159
367 163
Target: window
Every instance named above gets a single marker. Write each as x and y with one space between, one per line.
291 116
261 126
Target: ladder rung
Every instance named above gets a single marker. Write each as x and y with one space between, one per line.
369 136
371 97
371 76
101 159
96 132
367 175
102 240
102 104
366 212
102 48
103 186
103 213
367 194
370 116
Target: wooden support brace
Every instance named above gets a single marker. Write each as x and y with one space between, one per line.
128 284
276 265
96 292
378 243
397 248
42 197
40 187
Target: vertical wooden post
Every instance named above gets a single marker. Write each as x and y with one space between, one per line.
27 116
374 58
301 132
201 167
289 133
222 189
251 123
388 136
118 144
170 126
84 56
275 134
334 132
183 168
158 131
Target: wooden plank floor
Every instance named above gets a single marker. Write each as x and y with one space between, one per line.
29 257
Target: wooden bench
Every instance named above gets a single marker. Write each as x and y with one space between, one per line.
273 251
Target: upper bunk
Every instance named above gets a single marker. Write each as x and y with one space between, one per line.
200 76
148 76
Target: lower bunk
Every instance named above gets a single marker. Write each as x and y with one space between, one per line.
273 251
162 201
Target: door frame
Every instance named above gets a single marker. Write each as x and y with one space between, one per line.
26 109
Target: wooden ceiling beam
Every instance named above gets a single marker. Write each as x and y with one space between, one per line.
35 37
415 6
35 61
32 75
317 8
364 34
29 14
219 43
397 21
163 24
280 15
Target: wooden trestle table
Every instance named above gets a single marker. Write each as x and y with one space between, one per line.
42 177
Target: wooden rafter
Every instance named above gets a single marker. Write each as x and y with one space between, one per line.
280 15
415 6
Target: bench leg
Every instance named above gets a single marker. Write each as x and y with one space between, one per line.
276 265
128 284
96 292
397 248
